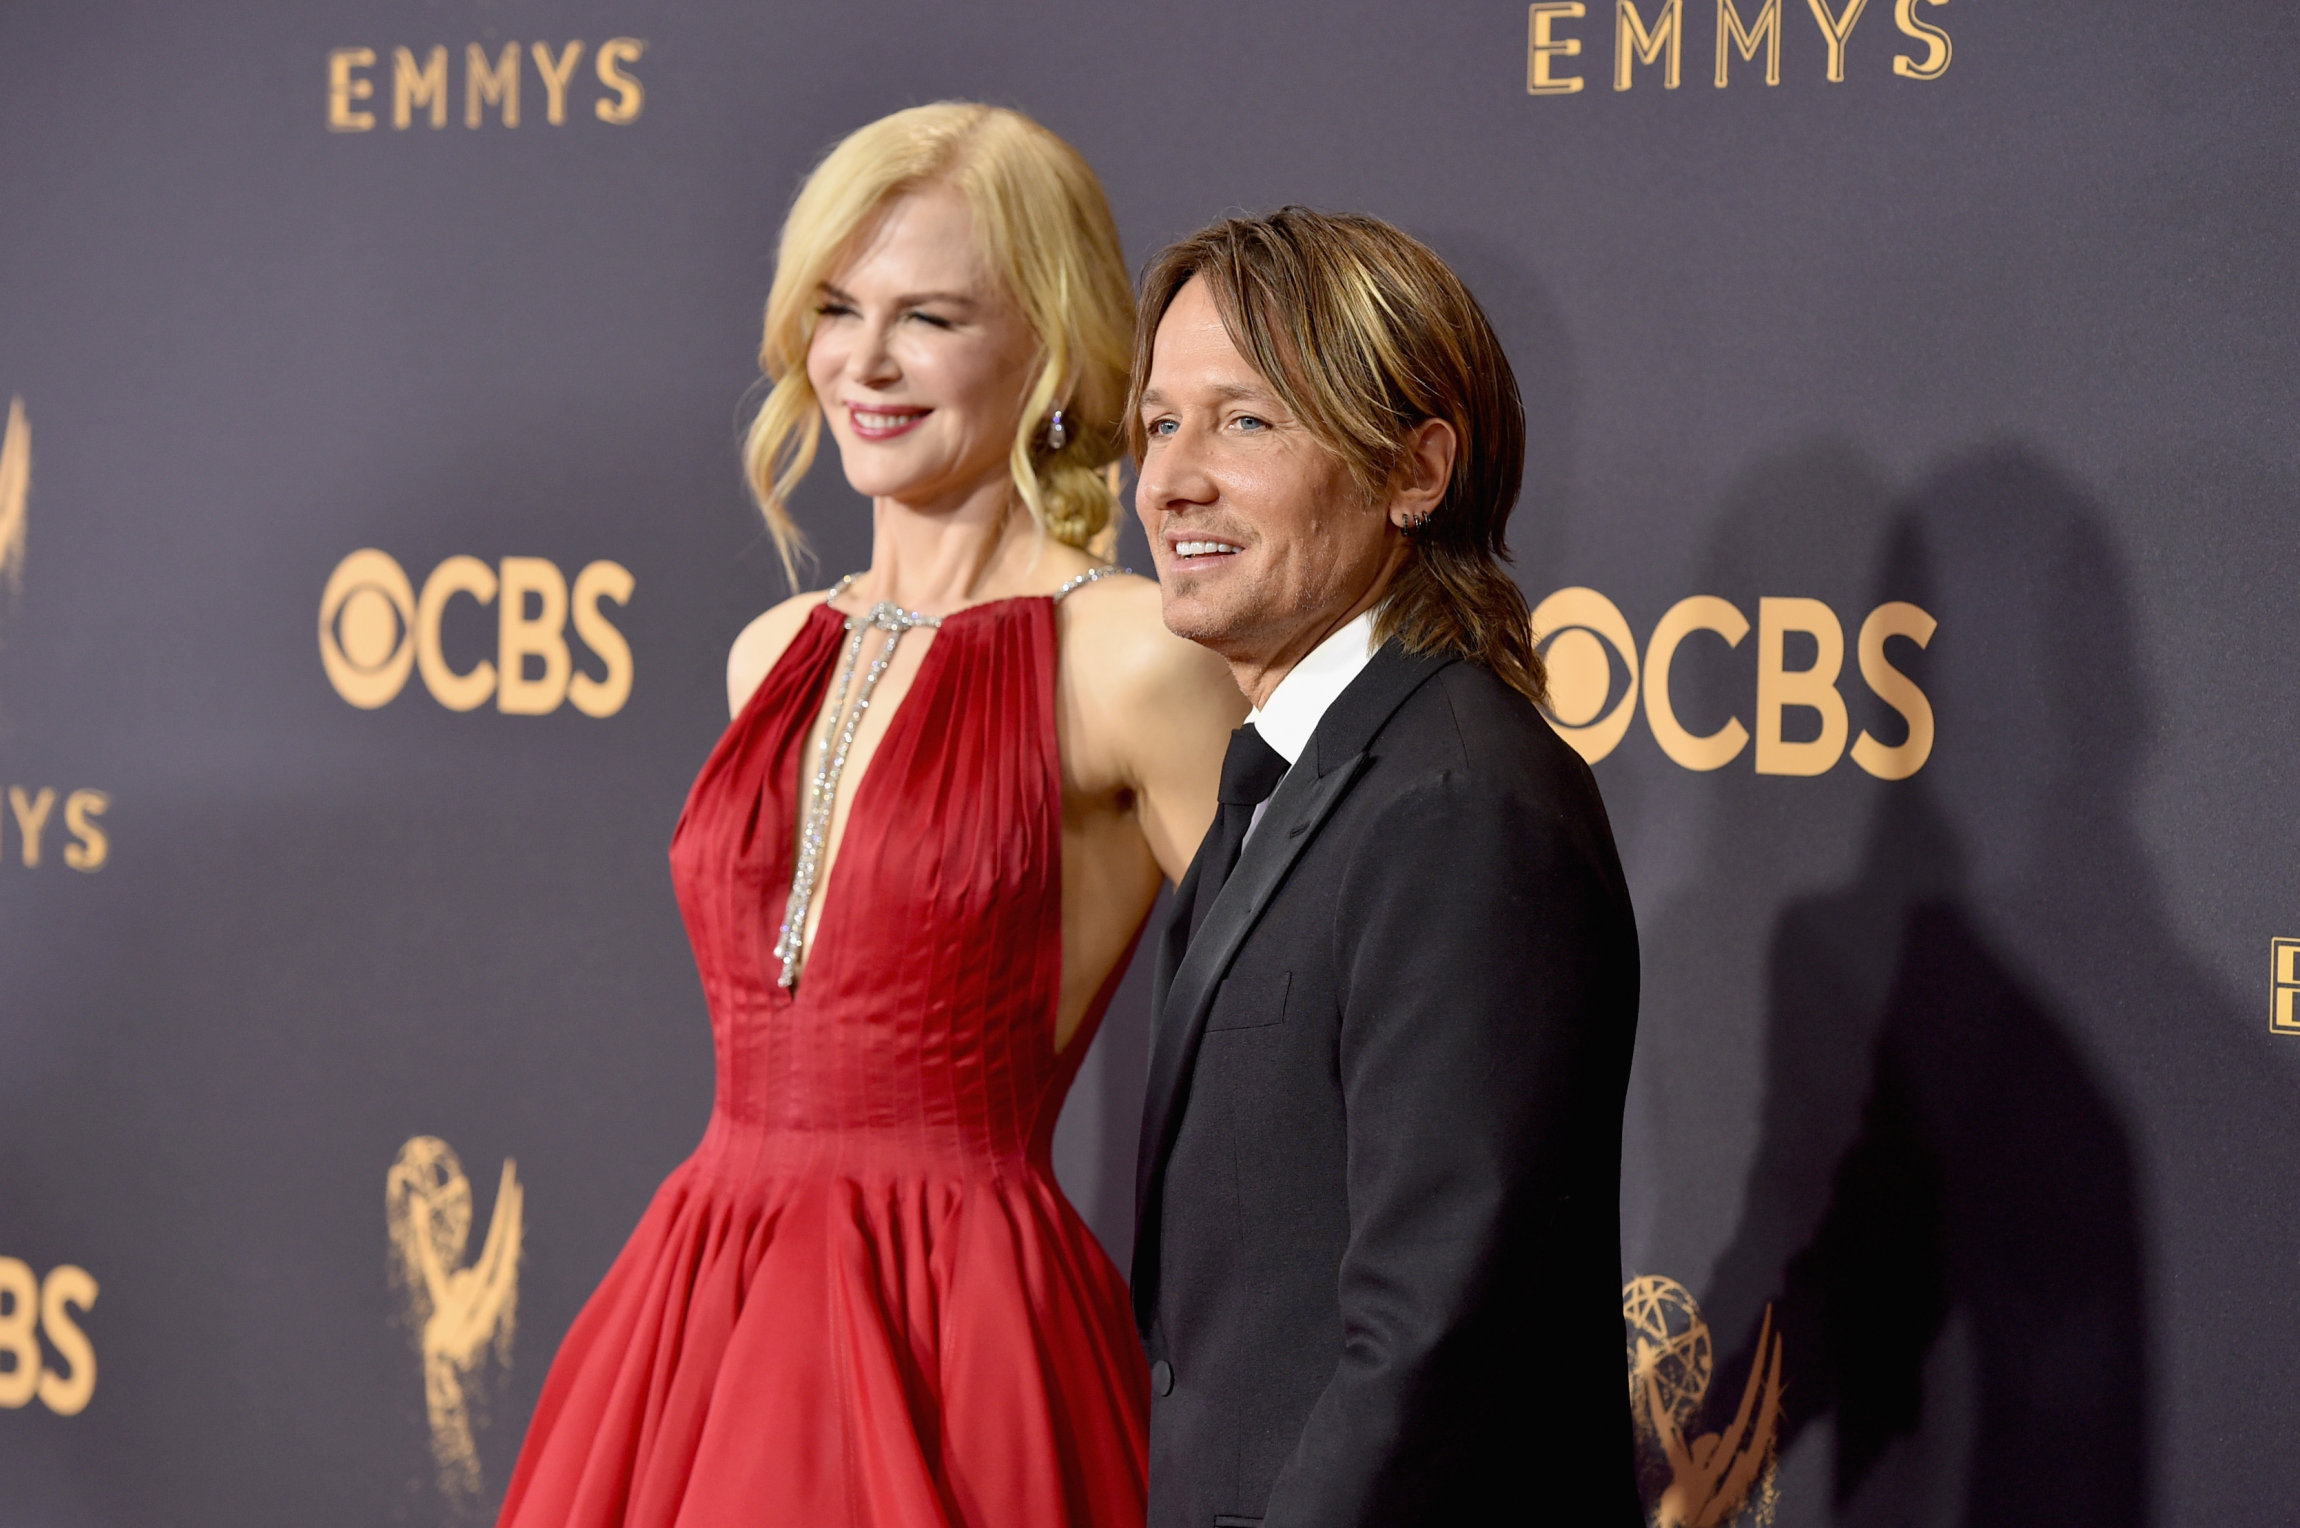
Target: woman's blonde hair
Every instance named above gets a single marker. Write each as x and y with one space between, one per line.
1046 229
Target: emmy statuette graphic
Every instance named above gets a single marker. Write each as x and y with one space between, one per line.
1706 1480
460 1316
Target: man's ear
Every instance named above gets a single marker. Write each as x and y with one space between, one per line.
1423 474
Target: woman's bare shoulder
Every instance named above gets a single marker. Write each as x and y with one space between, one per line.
1114 624
762 642
1120 648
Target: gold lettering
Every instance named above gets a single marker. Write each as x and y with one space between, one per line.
522 637
1731 34
31 820
1703 612
19 1332
614 53
91 848
1541 46
67 1394
555 77
343 89
1836 29
412 87
457 575
485 86
1896 619
1634 45
1813 689
602 697
1936 41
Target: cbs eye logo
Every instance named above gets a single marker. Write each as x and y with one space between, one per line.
1587 643
375 629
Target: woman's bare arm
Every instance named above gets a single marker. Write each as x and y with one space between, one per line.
1154 714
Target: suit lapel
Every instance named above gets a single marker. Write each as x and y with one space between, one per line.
1174 939
1302 802
1183 986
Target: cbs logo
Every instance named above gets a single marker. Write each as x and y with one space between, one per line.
1585 639
30 1306
374 629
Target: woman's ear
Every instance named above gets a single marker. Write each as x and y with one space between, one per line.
1423 474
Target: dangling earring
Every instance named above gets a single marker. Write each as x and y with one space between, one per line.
1056 435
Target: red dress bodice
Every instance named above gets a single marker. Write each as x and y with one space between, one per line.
921 1034
863 1300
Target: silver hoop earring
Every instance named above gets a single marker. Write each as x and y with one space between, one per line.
1057 436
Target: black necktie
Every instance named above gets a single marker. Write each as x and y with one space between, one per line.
1251 769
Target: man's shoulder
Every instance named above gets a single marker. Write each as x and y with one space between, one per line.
1468 775
1469 723
1467 764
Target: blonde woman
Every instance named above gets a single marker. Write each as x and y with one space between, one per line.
912 871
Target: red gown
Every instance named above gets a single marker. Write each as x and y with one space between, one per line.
863 1300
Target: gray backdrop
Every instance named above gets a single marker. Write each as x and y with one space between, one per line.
1970 1077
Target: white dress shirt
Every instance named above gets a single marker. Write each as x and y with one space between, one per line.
1291 714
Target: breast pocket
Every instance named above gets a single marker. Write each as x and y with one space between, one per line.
1250 1001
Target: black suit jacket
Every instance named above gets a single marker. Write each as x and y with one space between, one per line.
1377 1265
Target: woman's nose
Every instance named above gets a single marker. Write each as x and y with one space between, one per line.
872 362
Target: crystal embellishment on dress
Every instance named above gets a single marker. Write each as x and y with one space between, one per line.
831 763
838 741
1090 576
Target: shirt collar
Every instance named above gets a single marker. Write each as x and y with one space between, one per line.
1292 712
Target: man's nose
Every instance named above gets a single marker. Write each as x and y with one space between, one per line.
1177 477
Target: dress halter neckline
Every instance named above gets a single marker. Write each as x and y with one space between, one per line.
1090 576
921 618
838 742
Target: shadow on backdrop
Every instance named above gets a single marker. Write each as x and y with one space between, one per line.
1532 328
1943 1204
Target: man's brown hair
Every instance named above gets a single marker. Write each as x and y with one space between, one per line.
1364 334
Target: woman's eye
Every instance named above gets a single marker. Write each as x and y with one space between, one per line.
832 310
934 320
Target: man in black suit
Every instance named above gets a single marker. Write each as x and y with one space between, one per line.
1378 1261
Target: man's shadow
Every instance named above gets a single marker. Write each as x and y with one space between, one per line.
1961 1295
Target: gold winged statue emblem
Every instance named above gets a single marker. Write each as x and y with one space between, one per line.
1709 1479
460 1316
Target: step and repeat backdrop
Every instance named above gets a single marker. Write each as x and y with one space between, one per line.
1913 513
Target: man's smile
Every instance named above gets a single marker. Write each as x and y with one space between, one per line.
1192 552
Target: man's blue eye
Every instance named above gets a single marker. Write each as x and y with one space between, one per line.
1248 421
